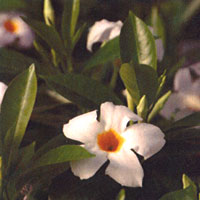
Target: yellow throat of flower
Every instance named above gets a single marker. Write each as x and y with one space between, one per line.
10 26
110 141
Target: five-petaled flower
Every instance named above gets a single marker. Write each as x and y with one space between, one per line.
186 96
112 139
14 29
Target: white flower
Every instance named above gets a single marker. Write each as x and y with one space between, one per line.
14 29
111 139
3 88
104 30
186 98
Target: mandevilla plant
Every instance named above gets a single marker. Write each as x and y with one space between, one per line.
89 109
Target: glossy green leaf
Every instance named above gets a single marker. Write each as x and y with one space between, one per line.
188 121
62 154
13 62
48 12
108 52
18 104
82 90
137 43
139 81
48 34
158 106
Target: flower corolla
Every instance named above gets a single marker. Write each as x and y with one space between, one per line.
112 139
14 30
186 97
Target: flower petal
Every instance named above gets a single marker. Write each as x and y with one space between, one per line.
173 105
103 30
83 128
145 139
116 117
125 168
183 80
86 168
3 88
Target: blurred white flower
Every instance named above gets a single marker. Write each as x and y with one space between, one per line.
14 29
111 139
186 98
3 88
104 30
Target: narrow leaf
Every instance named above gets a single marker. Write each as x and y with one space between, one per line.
43 30
82 90
48 12
74 18
18 103
62 154
13 62
188 121
142 107
158 106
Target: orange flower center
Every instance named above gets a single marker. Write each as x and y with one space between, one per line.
110 141
11 26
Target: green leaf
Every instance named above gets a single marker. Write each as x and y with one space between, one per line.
139 81
74 17
48 12
137 43
48 34
121 195
142 107
81 89
13 62
69 20
161 83
189 191
157 24
62 154
108 52
129 79
77 35
18 104
158 105
25 156
12 4
188 121
53 143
